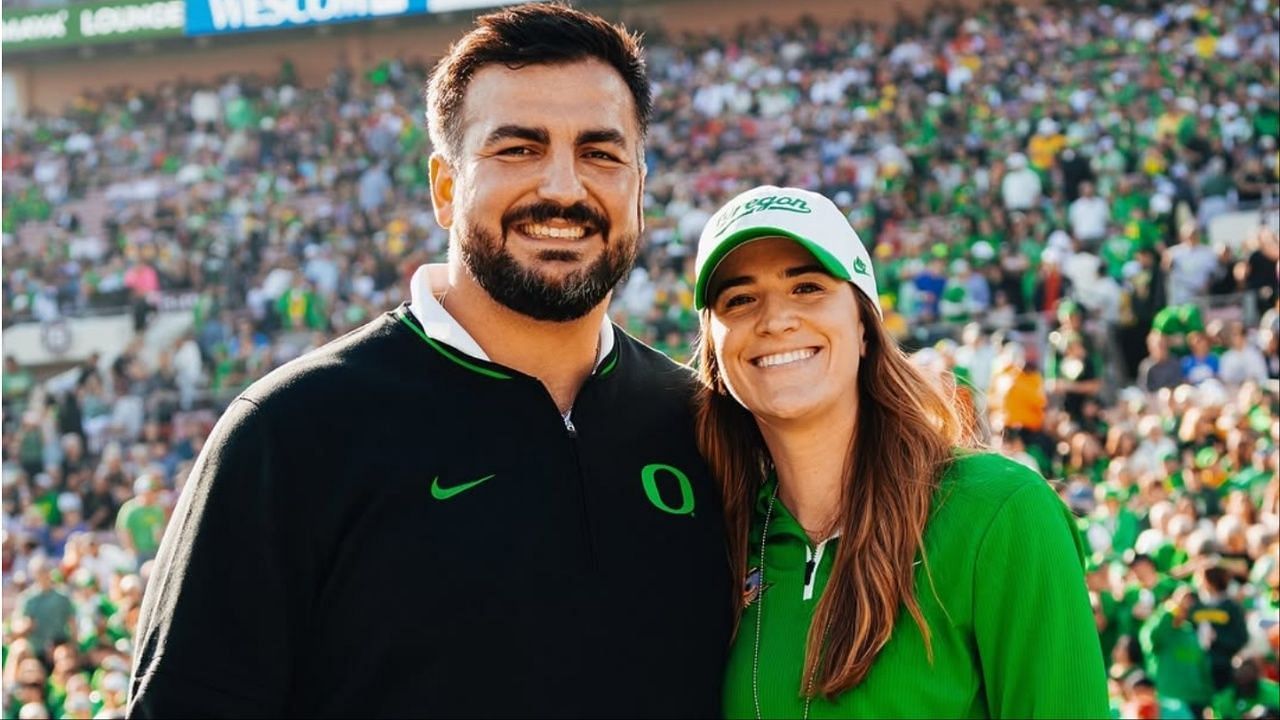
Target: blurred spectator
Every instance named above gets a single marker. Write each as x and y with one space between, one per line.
1088 216
1160 369
1021 186
140 522
1181 665
1249 694
1190 264
1221 619
45 612
1242 361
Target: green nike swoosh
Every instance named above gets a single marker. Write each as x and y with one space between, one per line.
441 493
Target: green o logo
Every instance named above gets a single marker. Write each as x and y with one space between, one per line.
649 475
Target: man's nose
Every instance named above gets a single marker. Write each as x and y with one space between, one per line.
561 182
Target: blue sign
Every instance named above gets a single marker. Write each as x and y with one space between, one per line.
210 17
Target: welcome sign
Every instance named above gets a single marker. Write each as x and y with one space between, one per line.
208 17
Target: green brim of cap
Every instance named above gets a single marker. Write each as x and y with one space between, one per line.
746 235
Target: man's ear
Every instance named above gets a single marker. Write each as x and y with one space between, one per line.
441 174
644 172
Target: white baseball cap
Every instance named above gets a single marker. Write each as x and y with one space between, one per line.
805 217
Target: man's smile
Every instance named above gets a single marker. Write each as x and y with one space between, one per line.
542 231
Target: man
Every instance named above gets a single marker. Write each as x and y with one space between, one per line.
1201 363
44 611
1177 661
1021 186
1250 693
1072 365
1017 400
1088 216
141 520
1159 369
1242 361
1220 619
1190 265
487 502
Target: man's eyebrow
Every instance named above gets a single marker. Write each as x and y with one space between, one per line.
602 135
518 132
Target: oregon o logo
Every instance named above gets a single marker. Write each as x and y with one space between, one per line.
649 475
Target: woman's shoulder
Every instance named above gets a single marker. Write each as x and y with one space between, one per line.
978 484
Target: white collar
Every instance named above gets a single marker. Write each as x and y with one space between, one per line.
439 325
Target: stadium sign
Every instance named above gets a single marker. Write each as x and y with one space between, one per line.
452 5
218 17
82 24
207 17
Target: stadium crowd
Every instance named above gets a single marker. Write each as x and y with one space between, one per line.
1036 186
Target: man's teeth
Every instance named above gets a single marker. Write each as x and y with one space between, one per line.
786 357
559 233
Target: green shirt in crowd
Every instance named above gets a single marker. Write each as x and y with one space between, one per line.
1012 630
1178 665
1231 703
51 613
143 523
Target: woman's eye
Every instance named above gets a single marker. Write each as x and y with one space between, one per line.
737 300
807 288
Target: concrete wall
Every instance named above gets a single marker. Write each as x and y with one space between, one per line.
108 335
49 84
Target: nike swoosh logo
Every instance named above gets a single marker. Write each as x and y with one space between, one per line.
443 493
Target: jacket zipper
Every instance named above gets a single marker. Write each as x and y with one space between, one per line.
812 558
571 431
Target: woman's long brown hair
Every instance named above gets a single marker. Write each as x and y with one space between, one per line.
905 437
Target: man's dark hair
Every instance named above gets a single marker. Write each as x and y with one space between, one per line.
532 34
1139 680
1217 578
1142 558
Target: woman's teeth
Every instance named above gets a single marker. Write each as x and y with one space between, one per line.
785 358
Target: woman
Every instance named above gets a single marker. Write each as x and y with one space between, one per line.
889 571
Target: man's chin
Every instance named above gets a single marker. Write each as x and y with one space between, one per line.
556 284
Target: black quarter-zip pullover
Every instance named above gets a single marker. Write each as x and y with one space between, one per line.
389 527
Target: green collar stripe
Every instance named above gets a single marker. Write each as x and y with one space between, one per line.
613 362
450 355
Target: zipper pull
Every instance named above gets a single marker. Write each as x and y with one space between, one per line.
569 427
809 566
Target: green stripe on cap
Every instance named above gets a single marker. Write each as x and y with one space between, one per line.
746 235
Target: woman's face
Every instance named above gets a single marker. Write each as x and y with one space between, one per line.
787 335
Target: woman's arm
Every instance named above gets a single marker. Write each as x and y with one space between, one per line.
1039 647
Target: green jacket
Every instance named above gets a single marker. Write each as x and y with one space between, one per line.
1178 665
1012 630
1230 703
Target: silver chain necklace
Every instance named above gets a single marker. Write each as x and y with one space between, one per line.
755 664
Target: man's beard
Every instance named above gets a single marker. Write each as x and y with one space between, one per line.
526 290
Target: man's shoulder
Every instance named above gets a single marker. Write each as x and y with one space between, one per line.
339 367
648 365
